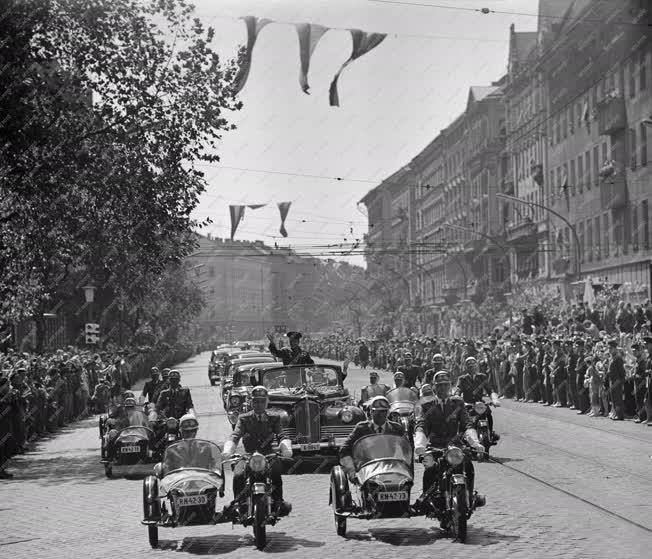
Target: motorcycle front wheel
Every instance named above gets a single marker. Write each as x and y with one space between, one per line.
458 509
260 520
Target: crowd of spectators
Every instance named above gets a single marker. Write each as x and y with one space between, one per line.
41 393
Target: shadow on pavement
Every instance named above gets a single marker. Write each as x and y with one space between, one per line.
477 535
427 536
277 542
60 469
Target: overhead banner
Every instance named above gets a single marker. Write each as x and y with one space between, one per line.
284 208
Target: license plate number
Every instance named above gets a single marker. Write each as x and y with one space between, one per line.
129 449
387 496
191 500
310 446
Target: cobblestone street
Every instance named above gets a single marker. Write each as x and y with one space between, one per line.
560 486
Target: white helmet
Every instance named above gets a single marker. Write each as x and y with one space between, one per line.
188 422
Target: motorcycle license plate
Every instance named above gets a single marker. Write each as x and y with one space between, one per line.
387 496
191 500
129 449
310 446
483 423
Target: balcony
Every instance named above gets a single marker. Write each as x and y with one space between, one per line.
612 115
516 231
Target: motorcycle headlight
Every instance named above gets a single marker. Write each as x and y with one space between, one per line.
171 423
454 456
257 463
480 408
234 401
346 416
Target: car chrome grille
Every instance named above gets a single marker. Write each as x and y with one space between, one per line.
307 419
326 431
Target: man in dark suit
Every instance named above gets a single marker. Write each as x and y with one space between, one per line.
257 429
378 424
444 420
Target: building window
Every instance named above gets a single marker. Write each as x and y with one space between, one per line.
605 233
580 173
571 119
645 222
598 239
632 147
573 177
564 126
635 231
587 169
643 129
580 233
605 152
632 78
596 165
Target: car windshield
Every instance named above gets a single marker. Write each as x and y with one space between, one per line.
300 377
192 453
244 378
378 447
402 394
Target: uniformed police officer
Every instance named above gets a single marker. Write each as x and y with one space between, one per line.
372 389
176 400
258 430
378 423
444 420
438 364
472 386
150 387
293 355
399 379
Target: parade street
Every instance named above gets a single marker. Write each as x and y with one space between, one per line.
560 486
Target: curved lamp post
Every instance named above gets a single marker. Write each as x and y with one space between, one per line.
578 245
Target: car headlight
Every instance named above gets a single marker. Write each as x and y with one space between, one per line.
480 408
171 423
346 416
454 456
234 401
257 463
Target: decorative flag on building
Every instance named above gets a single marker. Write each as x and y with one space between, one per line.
284 207
254 25
309 35
237 213
363 42
589 295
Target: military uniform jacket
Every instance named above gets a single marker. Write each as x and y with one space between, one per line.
291 357
257 435
174 403
150 389
444 420
474 388
365 428
372 390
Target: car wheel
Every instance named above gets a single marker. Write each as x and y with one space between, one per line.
152 532
108 470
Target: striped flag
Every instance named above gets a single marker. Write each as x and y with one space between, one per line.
284 207
309 35
363 42
254 25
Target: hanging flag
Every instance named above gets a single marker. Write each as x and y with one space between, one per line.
585 110
309 35
256 206
363 42
254 25
589 295
237 213
284 207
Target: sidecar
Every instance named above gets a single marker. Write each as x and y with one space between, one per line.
384 477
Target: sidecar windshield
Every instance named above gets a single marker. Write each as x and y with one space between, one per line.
379 447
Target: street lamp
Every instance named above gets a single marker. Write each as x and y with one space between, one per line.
578 245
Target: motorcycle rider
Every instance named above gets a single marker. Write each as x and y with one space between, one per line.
118 420
257 429
412 372
372 389
149 389
378 423
443 421
293 355
472 386
174 401
161 386
188 426
426 400
438 364
399 379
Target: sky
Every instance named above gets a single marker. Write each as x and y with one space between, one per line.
394 100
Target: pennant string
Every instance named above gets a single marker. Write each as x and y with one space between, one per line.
284 208
254 25
237 213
